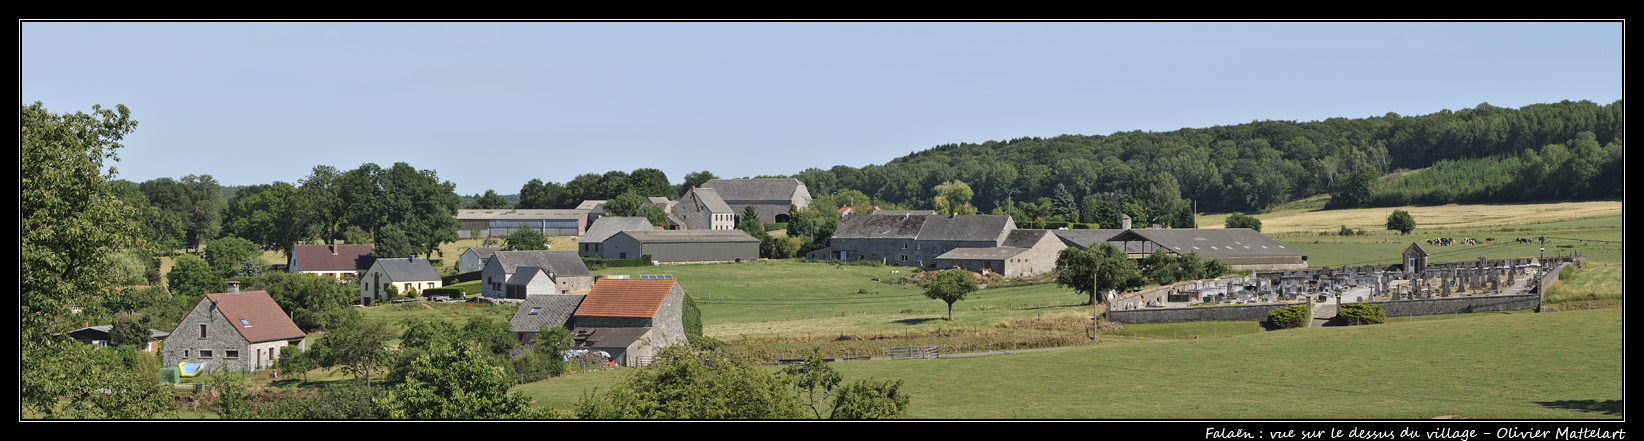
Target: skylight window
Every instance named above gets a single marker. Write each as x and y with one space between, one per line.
245 323
535 310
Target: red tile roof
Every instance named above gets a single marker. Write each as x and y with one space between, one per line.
321 257
625 298
263 319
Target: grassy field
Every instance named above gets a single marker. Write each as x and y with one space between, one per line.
1565 365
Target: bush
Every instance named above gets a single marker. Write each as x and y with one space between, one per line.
1293 316
459 278
1360 314
444 292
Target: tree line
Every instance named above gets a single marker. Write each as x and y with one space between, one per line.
1260 165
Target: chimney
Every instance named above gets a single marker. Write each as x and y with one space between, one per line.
1124 222
233 287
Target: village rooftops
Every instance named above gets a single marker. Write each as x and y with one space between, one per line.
678 236
992 253
607 226
408 268
520 214
545 309
756 189
255 315
330 258
558 263
625 298
712 201
1211 243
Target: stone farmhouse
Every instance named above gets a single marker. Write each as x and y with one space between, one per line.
403 274
772 198
592 243
993 244
473 259
241 331
630 319
913 240
702 209
564 269
340 261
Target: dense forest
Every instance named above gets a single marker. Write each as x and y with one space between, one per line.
1566 150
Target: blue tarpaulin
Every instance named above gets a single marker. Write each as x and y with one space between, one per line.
190 369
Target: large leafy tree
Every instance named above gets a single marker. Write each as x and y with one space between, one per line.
953 197
1401 221
694 179
69 226
455 384
1096 270
525 238
626 204
192 276
490 201
265 215
225 254
359 345
536 194
950 286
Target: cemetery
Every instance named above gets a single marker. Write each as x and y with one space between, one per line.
1415 287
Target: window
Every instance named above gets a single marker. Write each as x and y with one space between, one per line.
202 330
535 310
205 353
231 354
245 323
904 258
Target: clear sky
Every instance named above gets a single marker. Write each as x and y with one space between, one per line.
491 105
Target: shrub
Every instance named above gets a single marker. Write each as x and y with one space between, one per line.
1360 314
1293 316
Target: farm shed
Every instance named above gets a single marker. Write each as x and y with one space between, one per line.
683 245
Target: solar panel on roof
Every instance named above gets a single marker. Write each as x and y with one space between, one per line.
657 276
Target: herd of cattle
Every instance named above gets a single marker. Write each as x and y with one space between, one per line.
1445 241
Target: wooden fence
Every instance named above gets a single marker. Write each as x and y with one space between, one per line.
911 352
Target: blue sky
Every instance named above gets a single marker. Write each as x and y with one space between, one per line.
491 105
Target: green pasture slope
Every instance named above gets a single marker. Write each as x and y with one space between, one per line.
793 298
1557 366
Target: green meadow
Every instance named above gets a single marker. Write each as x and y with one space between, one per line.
1565 365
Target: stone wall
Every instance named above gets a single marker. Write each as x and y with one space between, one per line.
1458 305
1195 314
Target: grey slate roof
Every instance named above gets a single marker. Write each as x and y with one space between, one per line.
964 228
712 201
879 227
606 226
677 236
523 275
484 252
1024 238
561 263
408 269
902 212
1212 242
992 253
555 310
755 189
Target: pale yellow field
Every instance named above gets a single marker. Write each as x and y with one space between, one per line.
1439 217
